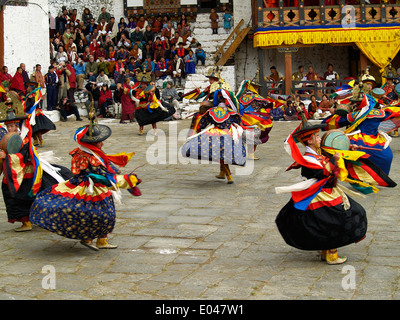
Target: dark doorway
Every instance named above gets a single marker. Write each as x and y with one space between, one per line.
208 4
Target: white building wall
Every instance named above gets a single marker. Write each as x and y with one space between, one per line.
26 36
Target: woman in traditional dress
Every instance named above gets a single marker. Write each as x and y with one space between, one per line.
216 134
319 215
82 208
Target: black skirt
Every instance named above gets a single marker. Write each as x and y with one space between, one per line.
323 228
43 124
144 116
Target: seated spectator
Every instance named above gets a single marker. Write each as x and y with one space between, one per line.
101 53
190 64
200 54
312 107
277 114
170 54
148 68
148 34
159 53
67 108
168 31
102 78
86 54
163 69
323 109
80 73
122 54
72 55
142 24
66 35
157 24
131 24
61 55
290 112
123 33
105 100
137 37
147 50
103 65
170 95
94 47
181 51
136 52
91 69
303 107
118 67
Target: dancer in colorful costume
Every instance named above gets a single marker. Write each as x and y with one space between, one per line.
362 126
24 173
319 215
40 123
256 114
83 207
150 110
216 134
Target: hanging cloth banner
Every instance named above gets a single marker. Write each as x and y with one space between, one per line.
309 35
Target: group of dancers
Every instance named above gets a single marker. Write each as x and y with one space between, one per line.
79 203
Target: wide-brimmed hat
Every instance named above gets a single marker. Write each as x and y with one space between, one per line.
306 129
96 133
367 78
390 75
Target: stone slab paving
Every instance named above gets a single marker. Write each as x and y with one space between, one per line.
191 236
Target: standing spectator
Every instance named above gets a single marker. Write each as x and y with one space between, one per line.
17 82
5 76
117 104
63 75
190 64
227 21
128 105
214 18
105 100
330 74
104 15
200 54
80 73
40 80
51 81
72 81
25 75
91 69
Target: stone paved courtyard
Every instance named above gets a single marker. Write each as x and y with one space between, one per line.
191 236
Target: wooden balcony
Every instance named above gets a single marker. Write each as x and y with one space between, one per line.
303 16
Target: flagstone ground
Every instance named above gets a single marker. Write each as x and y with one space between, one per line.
191 236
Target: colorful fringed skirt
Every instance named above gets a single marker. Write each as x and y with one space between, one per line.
75 209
